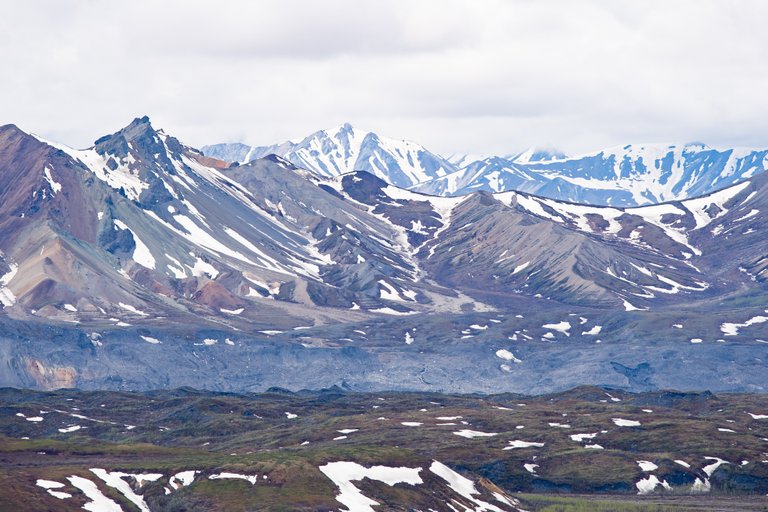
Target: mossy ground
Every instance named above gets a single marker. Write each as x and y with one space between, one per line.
251 434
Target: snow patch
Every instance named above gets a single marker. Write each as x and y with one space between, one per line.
462 486
523 444
625 423
648 485
580 437
471 434
562 327
116 480
50 485
141 253
182 479
732 329
343 474
7 298
97 501
235 476
507 356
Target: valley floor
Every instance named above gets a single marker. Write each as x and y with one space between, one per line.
588 448
611 503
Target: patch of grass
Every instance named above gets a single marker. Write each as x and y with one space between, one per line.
546 503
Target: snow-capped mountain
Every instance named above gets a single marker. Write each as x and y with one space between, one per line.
140 218
345 149
352 241
534 154
141 243
631 175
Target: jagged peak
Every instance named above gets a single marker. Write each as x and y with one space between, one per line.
697 146
12 128
138 134
346 126
345 129
135 129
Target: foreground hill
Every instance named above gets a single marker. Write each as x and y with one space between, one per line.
141 263
330 450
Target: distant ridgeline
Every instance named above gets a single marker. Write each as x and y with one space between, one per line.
633 175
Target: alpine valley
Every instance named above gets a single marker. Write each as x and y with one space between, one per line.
353 321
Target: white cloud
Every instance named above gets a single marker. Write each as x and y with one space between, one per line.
484 77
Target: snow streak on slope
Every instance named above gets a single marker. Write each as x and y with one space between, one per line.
121 177
343 474
606 220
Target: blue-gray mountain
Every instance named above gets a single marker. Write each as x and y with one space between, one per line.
142 263
632 175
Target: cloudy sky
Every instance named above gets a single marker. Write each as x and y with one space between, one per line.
478 76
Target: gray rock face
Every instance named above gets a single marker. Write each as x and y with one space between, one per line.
142 263
440 357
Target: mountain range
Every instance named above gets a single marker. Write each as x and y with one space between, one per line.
343 149
632 175
141 262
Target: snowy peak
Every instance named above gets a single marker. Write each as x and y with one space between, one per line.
329 152
343 131
537 154
343 149
234 152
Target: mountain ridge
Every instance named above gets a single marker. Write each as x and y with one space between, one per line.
629 175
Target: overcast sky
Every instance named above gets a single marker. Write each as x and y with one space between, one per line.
478 76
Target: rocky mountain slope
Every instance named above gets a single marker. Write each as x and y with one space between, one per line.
142 263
